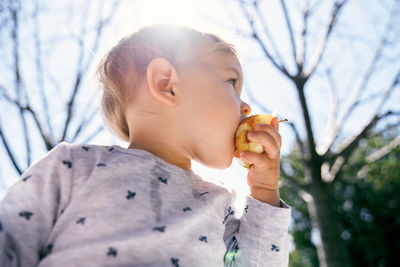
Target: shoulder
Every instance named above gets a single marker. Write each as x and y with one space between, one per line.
89 151
69 152
82 148
58 152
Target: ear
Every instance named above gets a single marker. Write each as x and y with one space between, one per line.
161 76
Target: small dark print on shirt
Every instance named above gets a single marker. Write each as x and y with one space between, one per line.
68 163
81 220
163 180
26 178
175 262
112 252
159 228
203 238
230 212
130 194
26 214
46 252
274 247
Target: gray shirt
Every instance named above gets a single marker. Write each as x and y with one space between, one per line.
91 205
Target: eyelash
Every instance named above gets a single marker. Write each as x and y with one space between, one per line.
234 81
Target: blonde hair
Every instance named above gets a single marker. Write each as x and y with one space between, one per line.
123 69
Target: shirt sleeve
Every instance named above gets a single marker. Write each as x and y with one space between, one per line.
259 237
30 208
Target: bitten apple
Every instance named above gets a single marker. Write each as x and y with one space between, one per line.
241 141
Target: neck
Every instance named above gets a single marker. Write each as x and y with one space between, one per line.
166 153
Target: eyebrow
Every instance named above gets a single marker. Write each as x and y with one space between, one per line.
235 70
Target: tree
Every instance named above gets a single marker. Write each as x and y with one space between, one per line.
366 199
314 34
36 82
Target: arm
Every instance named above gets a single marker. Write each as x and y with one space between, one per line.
30 208
260 237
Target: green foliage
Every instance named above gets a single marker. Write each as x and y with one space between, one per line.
305 254
368 206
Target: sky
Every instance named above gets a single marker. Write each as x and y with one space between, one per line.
264 83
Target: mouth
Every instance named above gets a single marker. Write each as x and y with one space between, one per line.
241 120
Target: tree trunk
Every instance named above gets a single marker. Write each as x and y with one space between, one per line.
334 252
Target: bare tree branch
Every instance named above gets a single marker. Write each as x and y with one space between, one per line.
352 144
328 172
99 130
388 92
298 139
260 42
340 159
99 28
389 126
377 155
306 116
84 122
291 35
383 151
335 131
267 32
41 117
46 138
9 152
14 11
319 52
15 102
332 115
75 88
82 69
39 75
301 53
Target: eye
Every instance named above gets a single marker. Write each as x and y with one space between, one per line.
233 81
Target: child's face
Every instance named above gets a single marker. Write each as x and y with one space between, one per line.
211 109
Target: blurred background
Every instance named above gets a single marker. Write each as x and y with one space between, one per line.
332 68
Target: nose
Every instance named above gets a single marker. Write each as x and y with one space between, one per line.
245 108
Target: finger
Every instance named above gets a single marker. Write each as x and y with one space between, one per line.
270 130
255 158
270 145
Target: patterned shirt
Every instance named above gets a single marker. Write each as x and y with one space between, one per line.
92 205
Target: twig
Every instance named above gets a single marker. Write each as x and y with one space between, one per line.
290 30
319 52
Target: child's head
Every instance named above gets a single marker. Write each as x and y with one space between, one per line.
171 90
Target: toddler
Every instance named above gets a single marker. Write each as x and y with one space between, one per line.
173 93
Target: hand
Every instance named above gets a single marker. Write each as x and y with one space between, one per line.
264 172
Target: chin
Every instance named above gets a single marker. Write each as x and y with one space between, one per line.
222 161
